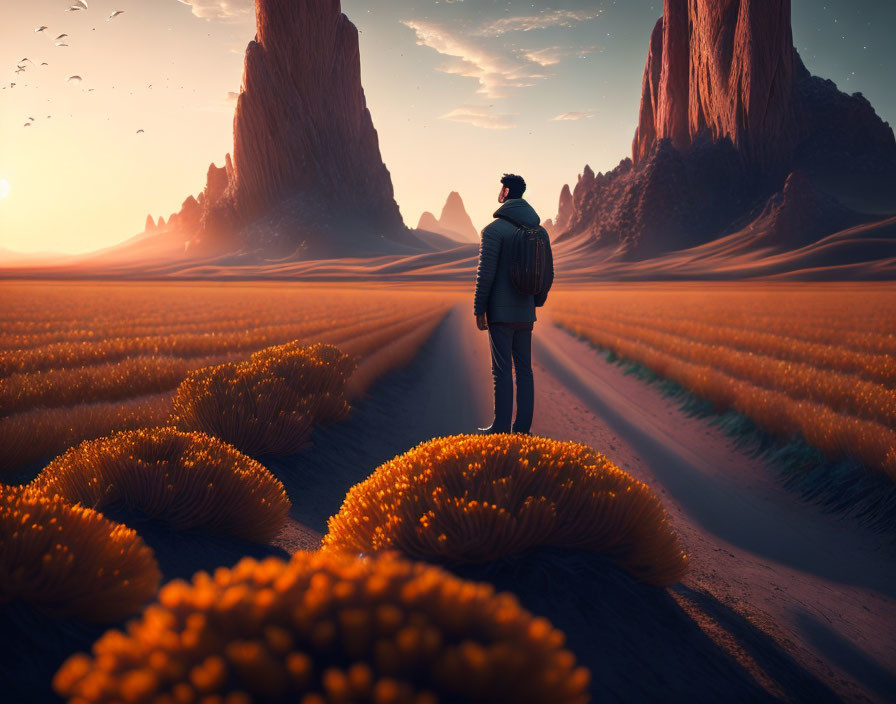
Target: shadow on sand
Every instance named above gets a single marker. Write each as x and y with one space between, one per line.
431 397
847 656
639 643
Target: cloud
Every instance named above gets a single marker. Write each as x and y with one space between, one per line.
543 20
573 115
552 55
496 72
481 116
497 66
221 9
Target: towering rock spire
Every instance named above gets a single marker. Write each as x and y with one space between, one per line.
724 68
306 178
302 123
728 112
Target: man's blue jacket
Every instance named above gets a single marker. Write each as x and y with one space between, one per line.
495 294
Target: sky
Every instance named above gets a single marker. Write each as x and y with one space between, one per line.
461 91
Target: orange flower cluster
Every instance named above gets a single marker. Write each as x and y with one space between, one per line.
42 433
69 561
187 480
810 360
835 434
46 313
477 498
135 376
328 628
269 404
79 361
842 392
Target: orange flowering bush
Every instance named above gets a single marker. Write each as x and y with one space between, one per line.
187 480
69 561
478 498
269 404
328 628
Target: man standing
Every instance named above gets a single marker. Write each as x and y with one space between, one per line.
507 314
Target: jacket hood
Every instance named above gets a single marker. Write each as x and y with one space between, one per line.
519 210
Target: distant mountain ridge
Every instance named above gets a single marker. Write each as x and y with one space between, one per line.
454 221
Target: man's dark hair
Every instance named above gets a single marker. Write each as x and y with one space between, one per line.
516 184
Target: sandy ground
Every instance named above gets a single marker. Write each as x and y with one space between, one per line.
788 602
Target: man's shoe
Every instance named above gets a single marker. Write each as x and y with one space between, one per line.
490 431
522 432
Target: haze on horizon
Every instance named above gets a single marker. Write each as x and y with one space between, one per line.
460 92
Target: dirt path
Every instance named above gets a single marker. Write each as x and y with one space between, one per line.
801 601
821 586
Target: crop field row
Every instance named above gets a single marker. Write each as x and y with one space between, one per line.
70 381
801 380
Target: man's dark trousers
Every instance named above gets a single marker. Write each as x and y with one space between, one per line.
512 341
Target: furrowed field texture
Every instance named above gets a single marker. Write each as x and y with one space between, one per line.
818 361
80 360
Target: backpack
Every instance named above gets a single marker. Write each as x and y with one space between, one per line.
530 258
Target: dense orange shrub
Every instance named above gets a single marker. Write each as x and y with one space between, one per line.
69 561
836 434
782 345
136 376
325 628
269 404
477 498
186 480
42 313
43 433
840 391
79 361
814 360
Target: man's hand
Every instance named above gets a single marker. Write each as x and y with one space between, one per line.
481 322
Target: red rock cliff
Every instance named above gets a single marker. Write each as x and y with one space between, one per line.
723 67
306 177
301 121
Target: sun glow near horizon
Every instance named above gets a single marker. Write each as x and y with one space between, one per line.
453 108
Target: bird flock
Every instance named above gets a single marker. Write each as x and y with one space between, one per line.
60 41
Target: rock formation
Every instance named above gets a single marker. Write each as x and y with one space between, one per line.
724 67
728 111
454 222
307 178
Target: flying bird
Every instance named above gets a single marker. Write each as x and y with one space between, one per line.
80 3
61 36
44 63
31 118
73 8
114 15
21 61
41 28
139 131
27 124
61 44
72 78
